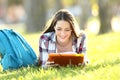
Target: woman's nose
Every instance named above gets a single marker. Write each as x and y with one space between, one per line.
63 33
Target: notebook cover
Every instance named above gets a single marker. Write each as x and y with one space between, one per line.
66 59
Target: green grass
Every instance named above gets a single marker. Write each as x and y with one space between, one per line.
103 52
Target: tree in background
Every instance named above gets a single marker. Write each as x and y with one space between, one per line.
58 4
37 12
86 13
105 16
36 15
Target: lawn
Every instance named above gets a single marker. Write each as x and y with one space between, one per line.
103 53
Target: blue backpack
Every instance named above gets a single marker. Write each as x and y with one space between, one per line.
15 51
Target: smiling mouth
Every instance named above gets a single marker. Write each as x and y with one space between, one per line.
62 37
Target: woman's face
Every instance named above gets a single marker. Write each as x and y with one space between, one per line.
63 31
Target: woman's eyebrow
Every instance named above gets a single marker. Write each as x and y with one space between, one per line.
59 27
67 28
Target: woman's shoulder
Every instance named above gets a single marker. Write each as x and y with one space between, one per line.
47 35
82 33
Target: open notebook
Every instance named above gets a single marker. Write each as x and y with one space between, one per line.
66 59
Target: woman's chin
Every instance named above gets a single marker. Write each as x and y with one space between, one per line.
63 41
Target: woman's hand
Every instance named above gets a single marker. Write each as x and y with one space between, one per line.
50 64
84 63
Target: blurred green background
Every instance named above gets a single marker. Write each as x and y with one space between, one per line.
93 16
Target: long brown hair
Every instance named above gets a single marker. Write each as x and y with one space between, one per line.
63 14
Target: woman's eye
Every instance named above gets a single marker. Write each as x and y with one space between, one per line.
58 29
67 30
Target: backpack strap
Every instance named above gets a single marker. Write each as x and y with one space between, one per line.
25 44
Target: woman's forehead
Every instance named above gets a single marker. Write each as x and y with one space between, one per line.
63 24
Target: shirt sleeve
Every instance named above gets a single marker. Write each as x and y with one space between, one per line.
82 47
83 44
43 49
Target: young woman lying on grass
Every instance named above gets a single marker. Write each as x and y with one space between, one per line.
61 35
